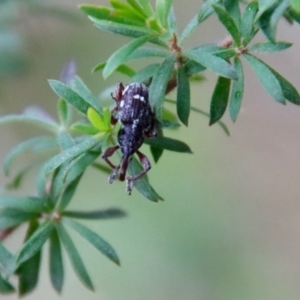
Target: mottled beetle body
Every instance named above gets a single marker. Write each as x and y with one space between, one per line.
134 112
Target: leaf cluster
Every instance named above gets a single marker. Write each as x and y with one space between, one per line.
84 128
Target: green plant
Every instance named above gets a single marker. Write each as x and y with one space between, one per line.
79 142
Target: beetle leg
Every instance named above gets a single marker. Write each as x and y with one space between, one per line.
108 153
147 166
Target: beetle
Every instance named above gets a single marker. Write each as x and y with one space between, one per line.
138 121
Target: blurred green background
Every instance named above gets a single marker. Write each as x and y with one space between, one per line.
229 226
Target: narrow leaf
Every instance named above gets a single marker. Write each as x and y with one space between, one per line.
205 11
35 145
82 90
108 14
144 52
50 126
29 204
10 217
145 4
92 237
134 4
142 184
266 77
61 181
228 23
247 28
123 69
296 5
74 256
156 153
7 261
183 96
35 242
237 91
5 286
233 8
28 272
219 100
145 73
162 11
212 62
68 194
121 54
277 14
168 144
269 47
70 153
63 112
84 128
97 120
110 213
159 84
289 91
69 95
56 266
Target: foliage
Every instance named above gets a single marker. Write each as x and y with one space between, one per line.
78 142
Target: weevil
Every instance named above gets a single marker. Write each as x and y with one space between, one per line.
134 112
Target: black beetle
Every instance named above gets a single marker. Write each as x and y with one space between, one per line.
138 120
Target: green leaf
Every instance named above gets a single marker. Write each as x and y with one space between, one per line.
45 124
93 238
70 153
68 194
163 8
145 73
121 54
145 4
289 91
159 84
205 11
183 96
277 14
212 62
168 144
84 128
7 261
134 4
237 91
219 100
74 256
35 242
129 30
110 213
264 5
35 145
105 13
61 181
10 217
5 286
69 95
229 23
97 120
233 8
266 77
123 69
81 89
63 112
56 266
126 10
64 139
142 184
28 204
247 28
144 52
156 153
28 272
269 47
